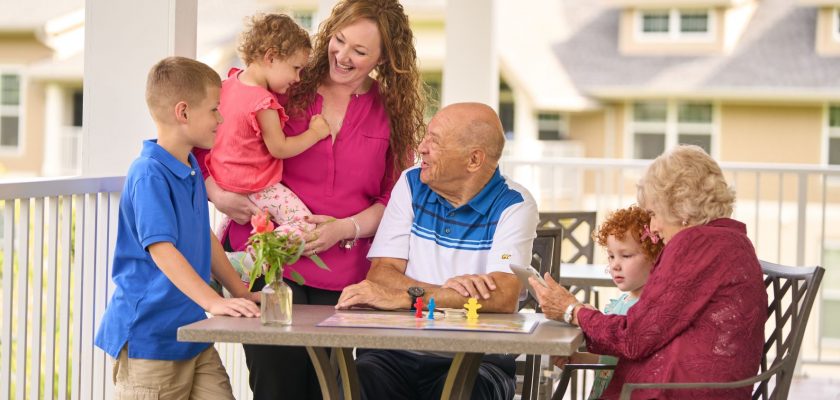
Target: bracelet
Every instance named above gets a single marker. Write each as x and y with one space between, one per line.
348 244
569 314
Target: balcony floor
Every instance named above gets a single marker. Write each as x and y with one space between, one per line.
815 388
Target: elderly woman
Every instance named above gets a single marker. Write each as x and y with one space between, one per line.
701 315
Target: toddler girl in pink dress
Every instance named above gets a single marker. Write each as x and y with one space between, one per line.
247 156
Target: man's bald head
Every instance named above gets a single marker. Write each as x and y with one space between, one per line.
475 125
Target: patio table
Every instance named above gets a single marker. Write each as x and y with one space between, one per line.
585 275
549 337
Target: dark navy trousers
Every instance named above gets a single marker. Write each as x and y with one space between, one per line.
395 374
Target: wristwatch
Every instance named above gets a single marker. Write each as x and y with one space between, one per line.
415 292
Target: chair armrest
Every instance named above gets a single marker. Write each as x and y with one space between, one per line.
628 388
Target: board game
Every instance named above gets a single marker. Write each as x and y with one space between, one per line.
391 320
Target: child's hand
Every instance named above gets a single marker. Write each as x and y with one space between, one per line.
320 126
236 307
559 361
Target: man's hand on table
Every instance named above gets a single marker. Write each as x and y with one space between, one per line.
475 285
370 294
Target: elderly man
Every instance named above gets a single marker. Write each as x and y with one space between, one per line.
450 230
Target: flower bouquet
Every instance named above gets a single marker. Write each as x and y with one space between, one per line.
273 249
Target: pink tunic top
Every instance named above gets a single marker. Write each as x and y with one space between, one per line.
240 161
700 318
339 179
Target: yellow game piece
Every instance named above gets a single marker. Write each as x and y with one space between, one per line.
472 307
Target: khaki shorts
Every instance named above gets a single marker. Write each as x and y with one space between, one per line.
201 377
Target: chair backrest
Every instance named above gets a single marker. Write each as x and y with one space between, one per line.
546 254
791 294
545 257
577 233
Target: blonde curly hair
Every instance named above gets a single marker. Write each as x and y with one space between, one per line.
272 32
688 186
399 78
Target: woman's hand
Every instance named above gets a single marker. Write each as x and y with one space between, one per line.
328 231
236 206
553 299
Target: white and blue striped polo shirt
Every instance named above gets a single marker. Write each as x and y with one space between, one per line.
495 228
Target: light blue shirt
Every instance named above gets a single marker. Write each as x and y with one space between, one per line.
163 201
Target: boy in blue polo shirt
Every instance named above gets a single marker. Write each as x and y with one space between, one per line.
165 251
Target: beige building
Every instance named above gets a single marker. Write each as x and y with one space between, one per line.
750 81
40 87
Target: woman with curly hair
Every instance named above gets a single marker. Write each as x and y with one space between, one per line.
701 315
363 79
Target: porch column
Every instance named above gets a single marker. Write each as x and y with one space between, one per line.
471 65
123 39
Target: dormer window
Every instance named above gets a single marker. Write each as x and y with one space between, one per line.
675 25
655 22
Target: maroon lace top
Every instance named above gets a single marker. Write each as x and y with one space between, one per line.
700 317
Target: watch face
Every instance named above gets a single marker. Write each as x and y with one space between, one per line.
416 291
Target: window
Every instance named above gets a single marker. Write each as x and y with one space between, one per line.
304 19
675 24
552 126
831 293
77 107
694 125
694 22
658 125
507 113
834 135
9 111
431 85
836 24
655 22
650 127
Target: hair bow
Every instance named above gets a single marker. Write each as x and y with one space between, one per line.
647 234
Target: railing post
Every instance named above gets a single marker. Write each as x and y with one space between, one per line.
801 216
6 334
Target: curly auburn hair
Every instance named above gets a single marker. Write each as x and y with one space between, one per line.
630 220
686 186
400 84
272 32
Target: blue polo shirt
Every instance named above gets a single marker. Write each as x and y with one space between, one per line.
495 228
163 200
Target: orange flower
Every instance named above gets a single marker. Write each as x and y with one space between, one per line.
261 223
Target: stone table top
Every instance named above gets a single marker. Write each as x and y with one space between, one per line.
549 337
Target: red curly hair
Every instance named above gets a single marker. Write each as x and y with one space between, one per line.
629 220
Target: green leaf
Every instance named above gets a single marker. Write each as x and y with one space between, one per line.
319 262
271 275
297 277
254 274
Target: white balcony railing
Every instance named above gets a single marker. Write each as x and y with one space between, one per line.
56 238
